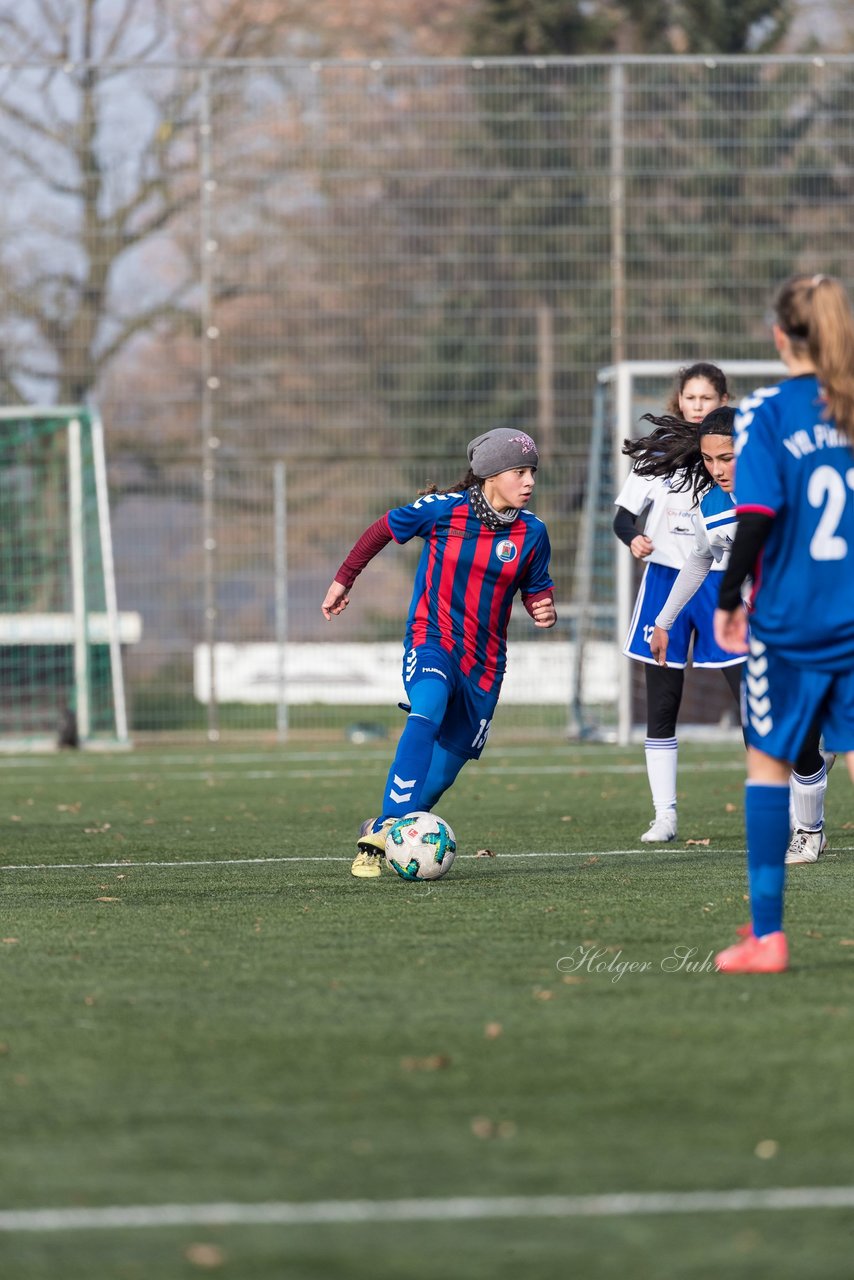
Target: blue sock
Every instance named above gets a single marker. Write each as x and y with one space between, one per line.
409 768
766 816
444 767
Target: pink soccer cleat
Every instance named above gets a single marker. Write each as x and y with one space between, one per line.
769 954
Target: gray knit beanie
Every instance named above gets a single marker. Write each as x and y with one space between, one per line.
501 449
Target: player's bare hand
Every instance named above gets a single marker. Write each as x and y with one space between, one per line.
641 546
335 601
544 613
658 645
731 630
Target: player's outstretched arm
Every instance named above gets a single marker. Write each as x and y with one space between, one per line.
335 601
372 541
687 583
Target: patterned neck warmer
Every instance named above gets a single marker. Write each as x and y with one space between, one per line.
486 513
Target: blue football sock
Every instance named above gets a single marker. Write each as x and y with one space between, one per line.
409 768
766 816
428 702
444 767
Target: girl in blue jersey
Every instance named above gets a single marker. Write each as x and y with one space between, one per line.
668 510
795 538
482 547
706 462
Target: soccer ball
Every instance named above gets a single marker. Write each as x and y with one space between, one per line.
420 846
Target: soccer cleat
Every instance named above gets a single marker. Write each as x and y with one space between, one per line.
806 846
372 840
769 954
367 866
662 829
368 862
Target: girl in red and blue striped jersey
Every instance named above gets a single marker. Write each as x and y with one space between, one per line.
482 547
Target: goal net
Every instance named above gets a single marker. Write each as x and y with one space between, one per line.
60 643
607 577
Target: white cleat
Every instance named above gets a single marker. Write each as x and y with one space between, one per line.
806 846
662 829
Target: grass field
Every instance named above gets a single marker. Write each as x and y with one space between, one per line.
201 1007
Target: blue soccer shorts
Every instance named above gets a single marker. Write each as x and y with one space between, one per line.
694 620
465 724
780 701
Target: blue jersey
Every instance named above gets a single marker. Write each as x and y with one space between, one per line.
467 577
716 527
794 465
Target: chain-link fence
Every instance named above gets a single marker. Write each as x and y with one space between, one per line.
296 290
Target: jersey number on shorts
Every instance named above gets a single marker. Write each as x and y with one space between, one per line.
827 488
481 735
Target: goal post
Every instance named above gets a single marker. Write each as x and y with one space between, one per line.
623 393
61 678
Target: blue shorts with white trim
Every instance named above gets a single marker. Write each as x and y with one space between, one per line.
469 711
695 621
780 702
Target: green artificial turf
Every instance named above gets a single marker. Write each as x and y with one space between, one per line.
543 1022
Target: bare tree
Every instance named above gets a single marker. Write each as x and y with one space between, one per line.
99 130
99 127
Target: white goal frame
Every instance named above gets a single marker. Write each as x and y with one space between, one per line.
622 378
77 627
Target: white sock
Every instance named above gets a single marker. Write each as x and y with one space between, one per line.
661 758
807 806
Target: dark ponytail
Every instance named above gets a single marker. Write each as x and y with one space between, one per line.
460 487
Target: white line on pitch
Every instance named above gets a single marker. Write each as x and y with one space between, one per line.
462 1208
216 758
504 770
301 857
336 858
669 850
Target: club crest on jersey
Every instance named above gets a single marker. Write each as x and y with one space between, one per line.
506 550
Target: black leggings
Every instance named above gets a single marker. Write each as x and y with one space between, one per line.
664 696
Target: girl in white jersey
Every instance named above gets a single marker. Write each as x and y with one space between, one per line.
665 543
707 464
